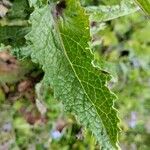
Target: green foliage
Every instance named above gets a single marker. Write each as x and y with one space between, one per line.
65 58
97 2
19 10
37 3
77 69
104 13
145 5
14 26
126 49
13 35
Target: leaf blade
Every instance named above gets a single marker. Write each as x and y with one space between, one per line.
145 5
66 60
106 13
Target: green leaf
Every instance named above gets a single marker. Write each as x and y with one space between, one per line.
97 2
112 2
105 13
13 35
59 42
37 3
19 9
145 5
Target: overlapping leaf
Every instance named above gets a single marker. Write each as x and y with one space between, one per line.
19 9
59 42
36 3
145 5
13 35
104 13
14 24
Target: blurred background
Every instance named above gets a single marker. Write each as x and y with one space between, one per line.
121 47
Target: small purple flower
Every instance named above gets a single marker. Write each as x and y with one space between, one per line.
55 134
133 119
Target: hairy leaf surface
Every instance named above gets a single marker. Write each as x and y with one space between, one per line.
37 3
59 42
104 13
